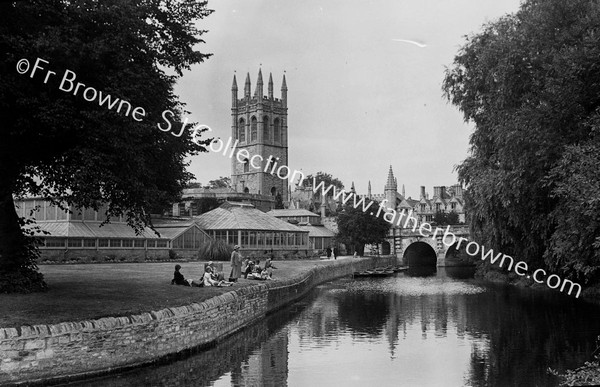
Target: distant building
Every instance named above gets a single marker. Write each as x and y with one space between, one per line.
81 235
444 200
191 200
320 237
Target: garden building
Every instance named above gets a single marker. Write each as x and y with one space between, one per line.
255 231
319 236
81 236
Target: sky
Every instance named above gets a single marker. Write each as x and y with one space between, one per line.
359 98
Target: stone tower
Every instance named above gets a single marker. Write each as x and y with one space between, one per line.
260 135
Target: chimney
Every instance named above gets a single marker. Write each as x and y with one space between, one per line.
422 192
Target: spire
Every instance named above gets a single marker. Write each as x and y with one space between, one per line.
270 86
369 189
259 85
247 86
391 183
234 92
403 194
284 91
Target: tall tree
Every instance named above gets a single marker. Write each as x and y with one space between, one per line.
59 140
530 84
357 227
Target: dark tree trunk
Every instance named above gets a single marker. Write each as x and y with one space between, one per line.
10 233
18 271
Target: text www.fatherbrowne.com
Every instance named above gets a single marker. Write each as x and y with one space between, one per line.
408 221
402 219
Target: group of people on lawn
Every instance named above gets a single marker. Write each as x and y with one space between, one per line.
239 266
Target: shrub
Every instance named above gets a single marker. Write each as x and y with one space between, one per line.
215 250
172 254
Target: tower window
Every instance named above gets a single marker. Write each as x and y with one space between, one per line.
246 165
277 130
242 131
266 136
253 129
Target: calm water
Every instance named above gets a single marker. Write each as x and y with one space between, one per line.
404 330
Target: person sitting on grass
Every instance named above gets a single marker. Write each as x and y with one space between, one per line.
216 275
249 268
208 279
179 279
259 273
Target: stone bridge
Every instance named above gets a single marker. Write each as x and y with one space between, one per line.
438 247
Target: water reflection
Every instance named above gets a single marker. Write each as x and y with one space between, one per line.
409 329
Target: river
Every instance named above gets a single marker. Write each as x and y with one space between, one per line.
412 329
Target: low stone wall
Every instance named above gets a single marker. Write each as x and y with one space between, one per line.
69 349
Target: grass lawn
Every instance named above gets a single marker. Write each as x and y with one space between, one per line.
90 291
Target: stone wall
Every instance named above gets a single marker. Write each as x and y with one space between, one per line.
71 349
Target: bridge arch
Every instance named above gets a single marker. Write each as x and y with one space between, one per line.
420 254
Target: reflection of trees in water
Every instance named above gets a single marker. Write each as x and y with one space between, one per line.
364 313
319 322
530 331
515 335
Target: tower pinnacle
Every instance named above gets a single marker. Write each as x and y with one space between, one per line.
247 86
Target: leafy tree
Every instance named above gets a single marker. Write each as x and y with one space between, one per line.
221 182
325 177
574 246
56 144
358 228
530 84
193 184
279 202
442 218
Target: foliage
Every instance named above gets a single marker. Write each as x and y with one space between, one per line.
193 184
221 182
577 214
530 84
358 228
586 375
215 250
206 204
279 202
325 177
58 145
443 218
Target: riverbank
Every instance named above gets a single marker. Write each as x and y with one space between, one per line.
45 352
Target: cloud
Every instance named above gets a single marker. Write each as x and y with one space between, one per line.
418 44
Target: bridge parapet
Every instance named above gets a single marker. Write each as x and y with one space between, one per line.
440 238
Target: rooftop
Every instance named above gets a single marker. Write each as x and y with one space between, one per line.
242 216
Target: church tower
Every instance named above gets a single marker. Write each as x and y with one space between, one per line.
260 138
